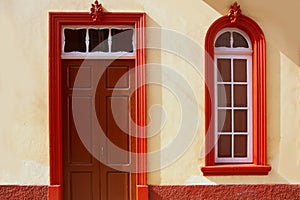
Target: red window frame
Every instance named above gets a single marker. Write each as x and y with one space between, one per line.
259 166
56 21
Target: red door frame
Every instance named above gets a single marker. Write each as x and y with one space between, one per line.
56 21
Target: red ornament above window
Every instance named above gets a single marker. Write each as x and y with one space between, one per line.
96 11
234 12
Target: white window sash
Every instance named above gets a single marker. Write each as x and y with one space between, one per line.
249 158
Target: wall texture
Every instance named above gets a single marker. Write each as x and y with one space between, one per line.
225 192
175 37
176 192
12 192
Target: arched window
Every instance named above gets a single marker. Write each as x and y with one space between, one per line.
235 97
233 102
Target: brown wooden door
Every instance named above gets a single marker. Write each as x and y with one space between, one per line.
93 94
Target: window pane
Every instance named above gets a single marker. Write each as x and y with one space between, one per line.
224 95
75 40
240 95
122 40
224 73
223 40
240 120
240 70
240 146
98 40
239 40
224 120
224 146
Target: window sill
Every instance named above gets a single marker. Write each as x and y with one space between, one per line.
236 169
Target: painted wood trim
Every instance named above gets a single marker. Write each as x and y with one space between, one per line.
54 192
258 88
236 170
142 192
56 21
55 95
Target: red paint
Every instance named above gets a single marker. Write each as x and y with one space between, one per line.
237 169
196 192
159 192
54 192
259 96
56 21
234 12
142 192
32 192
96 11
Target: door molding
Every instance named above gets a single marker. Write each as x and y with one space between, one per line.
56 21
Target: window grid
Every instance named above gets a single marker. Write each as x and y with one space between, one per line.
233 108
98 54
231 31
87 40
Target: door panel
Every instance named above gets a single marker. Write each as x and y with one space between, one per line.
117 185
121 139
81 185
78 154
84 176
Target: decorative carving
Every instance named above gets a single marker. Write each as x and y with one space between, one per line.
96 11
234 12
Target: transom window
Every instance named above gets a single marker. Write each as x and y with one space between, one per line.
96 41
233 92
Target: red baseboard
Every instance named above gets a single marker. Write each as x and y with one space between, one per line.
142 192
160 192
54 192
32 192
196 192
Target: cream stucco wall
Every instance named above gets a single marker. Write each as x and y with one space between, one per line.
171 26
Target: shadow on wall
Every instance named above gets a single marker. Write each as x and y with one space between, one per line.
154 103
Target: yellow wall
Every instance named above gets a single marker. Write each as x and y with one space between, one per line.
24 87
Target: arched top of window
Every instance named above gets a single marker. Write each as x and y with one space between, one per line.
232 38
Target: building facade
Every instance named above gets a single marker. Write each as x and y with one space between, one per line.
201 100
